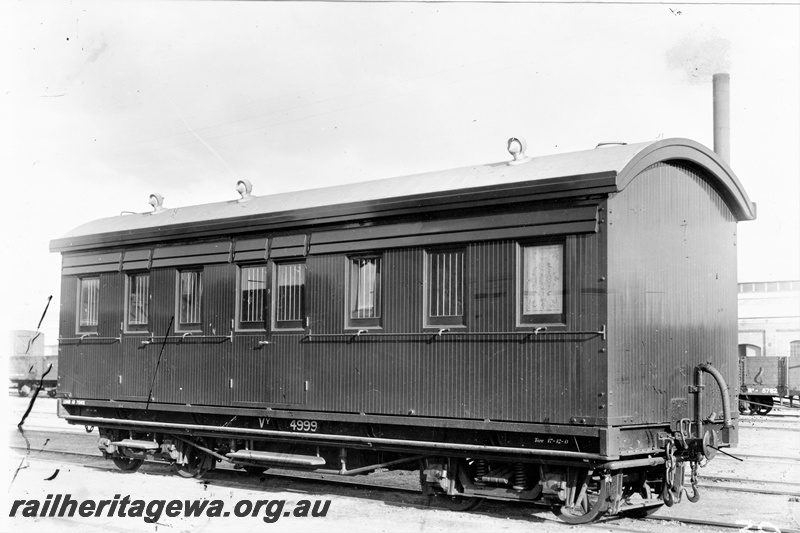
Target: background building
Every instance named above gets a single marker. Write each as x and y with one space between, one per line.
769 317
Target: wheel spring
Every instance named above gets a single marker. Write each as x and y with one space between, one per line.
520 478
480 471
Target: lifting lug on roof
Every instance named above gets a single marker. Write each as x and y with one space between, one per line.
157 201
244 188
517 147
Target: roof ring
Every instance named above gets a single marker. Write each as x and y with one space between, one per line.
157 201
244 188
517 147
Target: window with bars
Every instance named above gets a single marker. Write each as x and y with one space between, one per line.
88 304
364 292
137 302
444 288
253 297
541 284
190 296
290 281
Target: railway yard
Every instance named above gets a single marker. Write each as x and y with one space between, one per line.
759 490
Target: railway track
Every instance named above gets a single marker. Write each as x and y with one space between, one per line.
240 479
760 458
362 482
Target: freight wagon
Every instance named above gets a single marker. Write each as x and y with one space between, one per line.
765 380
558 330
28 366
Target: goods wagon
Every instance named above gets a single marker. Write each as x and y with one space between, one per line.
28 366
793 375
765 380
559 330
762 379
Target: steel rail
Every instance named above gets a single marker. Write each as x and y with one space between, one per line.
746 480
308 475
698 522
758 457
751 490
339 479
337 476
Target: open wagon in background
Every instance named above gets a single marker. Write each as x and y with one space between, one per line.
769 344
559 330
765 381
28 365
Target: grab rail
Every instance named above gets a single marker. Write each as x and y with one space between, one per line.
89 336
448 333
180 338
431 335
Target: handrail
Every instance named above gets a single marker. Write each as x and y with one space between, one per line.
445 332
432 335
181 338
89 336
723 389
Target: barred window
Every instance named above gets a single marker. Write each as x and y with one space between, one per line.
138 301
289 293
364 292
541 284
444 288
190 299
88 308
253 297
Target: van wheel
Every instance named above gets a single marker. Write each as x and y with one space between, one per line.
128 464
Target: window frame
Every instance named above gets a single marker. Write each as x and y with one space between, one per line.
452 321
288 325
253 326
539 319
136 328
375 322
88 329
188 327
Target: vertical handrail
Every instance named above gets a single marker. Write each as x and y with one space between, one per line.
723 387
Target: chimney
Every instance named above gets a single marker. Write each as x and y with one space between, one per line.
722 116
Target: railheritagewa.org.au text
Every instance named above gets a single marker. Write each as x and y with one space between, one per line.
151 511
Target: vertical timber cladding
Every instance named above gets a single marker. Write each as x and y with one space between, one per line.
497 376
98 359
134 371
672 292
267 363
550 379
191 367
68 357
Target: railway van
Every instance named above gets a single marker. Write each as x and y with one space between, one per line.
559 330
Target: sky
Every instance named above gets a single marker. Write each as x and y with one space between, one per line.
104 103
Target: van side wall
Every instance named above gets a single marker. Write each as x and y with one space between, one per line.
548 379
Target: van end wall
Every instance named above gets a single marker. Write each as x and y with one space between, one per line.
672 299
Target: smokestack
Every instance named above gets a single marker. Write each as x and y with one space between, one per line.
722 116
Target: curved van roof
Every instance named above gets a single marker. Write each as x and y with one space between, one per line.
602 170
